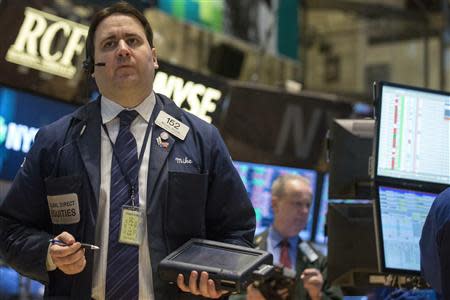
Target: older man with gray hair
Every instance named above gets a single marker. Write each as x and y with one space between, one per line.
291 204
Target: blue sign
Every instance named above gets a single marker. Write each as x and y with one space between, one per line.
21 116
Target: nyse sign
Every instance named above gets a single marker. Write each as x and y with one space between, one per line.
196 98
16 137
48 43
266 125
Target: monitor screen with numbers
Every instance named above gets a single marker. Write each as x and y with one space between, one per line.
258 179
413 136
401 214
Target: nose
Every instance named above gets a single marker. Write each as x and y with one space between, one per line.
123 49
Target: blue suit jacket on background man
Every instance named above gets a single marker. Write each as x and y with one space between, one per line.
203 197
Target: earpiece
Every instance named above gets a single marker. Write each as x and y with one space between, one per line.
88 65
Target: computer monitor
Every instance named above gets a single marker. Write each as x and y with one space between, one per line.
413 136
321 235
352 255
350 148
258 179
21 115
401 214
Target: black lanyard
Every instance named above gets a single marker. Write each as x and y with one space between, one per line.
133 183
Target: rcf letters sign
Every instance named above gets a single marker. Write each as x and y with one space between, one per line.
48 43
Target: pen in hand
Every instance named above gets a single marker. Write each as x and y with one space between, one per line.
83 245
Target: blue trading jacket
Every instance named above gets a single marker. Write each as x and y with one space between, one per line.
203 197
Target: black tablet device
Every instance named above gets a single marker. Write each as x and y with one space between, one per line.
230 266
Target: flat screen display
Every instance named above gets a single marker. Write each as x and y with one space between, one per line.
413 139
401 215
21 115
258 179
216 257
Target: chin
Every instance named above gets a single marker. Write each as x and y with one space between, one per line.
297 230
292 232
126 81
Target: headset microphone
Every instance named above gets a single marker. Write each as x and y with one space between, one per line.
89 65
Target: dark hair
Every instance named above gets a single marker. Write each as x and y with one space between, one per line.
121 7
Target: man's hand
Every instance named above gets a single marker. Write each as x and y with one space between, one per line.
313 282
253 293
206 288
69 259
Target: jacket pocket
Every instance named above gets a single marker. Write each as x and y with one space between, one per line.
63 199
185 211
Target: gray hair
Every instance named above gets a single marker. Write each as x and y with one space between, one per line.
279 185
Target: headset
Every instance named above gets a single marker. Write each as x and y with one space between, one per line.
89 63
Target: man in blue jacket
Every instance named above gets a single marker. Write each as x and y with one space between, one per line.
131 173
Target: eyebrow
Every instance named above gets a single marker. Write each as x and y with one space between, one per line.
114 36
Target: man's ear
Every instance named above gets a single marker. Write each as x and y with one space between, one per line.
275 202
155 59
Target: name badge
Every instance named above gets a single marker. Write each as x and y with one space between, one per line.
172 125
131 226
64 209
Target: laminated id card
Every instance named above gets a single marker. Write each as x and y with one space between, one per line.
131 226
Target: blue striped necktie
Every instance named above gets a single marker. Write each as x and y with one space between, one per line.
122 276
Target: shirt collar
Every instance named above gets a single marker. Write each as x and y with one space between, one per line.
110 109
276 238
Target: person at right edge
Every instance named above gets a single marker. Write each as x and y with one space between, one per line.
291 203
435 246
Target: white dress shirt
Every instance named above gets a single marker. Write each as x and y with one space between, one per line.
109 112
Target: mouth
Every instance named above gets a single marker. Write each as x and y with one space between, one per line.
124 67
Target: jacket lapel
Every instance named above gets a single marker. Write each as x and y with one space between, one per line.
89 144
159 153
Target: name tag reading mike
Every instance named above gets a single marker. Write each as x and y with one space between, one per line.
131 226
172 125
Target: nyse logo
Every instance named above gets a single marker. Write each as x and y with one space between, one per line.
16 137
201 99
48 43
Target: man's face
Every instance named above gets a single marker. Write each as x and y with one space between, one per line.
130 62
292 208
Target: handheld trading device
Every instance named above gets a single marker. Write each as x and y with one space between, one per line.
230 266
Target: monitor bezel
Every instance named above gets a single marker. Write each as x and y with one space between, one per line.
379 230
430 186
